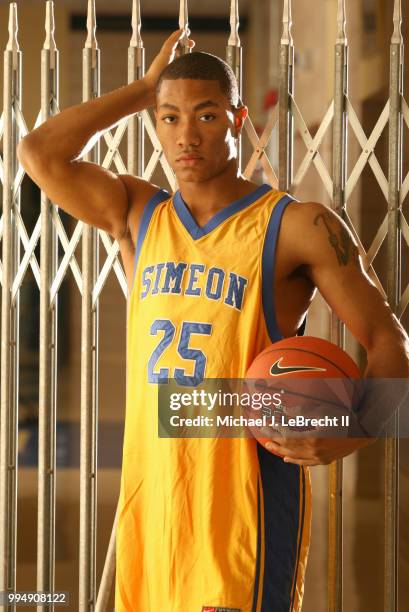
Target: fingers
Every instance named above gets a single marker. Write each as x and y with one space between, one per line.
290 456
293 452
170 44
165 56
308 462
175 35
181 43
175 38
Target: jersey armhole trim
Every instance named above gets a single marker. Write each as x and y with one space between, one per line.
267 266
148 211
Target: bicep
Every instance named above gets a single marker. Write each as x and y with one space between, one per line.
83 189
332 261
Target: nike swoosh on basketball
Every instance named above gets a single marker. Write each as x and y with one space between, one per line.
277 370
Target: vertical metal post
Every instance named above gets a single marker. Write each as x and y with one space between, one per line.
335 553
9 315
48 340
136 70
89 355
393 295
135 166
340 114
272 16
273 72
286 91
340 140
183 46
234 56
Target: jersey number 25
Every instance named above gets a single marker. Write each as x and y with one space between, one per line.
196 355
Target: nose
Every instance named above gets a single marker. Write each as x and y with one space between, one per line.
188 134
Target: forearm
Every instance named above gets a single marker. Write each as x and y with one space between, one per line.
386 382
389 356
63 137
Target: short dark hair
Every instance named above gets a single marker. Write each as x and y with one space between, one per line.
206 66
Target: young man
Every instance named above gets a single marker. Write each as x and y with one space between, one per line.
216 273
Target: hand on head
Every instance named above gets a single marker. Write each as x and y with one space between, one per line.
167 54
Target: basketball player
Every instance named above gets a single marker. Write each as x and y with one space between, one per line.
216 272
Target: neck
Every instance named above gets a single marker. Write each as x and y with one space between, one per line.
210 196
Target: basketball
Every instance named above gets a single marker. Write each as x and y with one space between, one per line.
309 373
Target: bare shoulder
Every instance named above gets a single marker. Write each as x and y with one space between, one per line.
311 231
139 193
299 215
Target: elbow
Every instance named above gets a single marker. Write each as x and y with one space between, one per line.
34 155
31 154
22 152
39 157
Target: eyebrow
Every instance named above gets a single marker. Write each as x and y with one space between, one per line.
199 106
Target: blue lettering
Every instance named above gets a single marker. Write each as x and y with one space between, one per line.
173 273
154 281
237 286
190 290
209 285
159 269
146 281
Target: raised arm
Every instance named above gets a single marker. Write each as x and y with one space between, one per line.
87 191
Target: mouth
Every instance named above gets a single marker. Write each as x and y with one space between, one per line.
189 160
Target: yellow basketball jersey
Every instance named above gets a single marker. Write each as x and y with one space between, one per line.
205 524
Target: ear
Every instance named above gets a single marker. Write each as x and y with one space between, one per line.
240 115
244 112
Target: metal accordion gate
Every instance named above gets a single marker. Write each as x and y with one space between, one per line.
18 254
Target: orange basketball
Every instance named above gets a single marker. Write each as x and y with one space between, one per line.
296 368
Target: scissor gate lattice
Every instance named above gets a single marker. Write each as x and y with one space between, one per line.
18 253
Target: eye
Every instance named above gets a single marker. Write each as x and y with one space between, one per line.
207 117
169 118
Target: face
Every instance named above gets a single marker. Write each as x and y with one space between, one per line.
197 127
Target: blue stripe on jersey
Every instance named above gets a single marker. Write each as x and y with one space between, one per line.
300 535
257 574
281 493
158 197
195 230
268 258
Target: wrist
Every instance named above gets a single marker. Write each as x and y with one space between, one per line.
149 85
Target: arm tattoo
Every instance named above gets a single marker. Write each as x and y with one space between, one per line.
345 249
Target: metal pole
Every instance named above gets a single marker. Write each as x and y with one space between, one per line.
108 572
136 166
393 294
9 315
273 74
286 91
234 57
335 553
136 70
340 141
89 355
183 46
48 340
